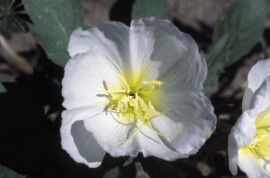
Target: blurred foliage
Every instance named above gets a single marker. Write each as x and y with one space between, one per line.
3 79
50 27
214 69
113 173
268 7
7 173
148 8
11 20
244 23
111 3
236 31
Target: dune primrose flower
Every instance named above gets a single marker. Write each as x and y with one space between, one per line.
138 89
249 140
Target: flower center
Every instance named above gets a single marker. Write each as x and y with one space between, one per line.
259 146
135 104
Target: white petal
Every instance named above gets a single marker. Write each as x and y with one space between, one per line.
184 77
118 34
141 44
81 40
107 38
244 129
246 99
160 47
261 97
77 141
111 134
241 134
232 154
152 145
188 122
258 74
85 78
251 167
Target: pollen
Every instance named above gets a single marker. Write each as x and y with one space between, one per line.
134 104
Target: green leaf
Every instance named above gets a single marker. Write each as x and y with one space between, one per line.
111 3
236 31
10 18
114 173
5 78
216 54
244 23
148 8
7 173
53 23
267 2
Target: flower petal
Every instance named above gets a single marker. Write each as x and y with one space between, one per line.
111 134
81 40
251 167
87 76
118 33
257 74
158 46
241 134
80 144
233 154
188 122
141 45
150 144
247 99
108 38
182 77
261 97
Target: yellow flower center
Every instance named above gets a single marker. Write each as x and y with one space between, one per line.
259 147
135 102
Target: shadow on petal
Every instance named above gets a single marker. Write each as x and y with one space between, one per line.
87 144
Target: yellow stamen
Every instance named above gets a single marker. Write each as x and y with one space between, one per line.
132 103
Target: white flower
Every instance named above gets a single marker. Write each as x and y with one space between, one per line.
249 140
138 89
